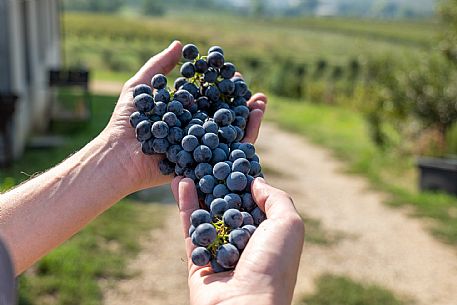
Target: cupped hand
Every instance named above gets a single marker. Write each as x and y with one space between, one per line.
142 171
267 270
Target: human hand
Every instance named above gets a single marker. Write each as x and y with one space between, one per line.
267 270
142 171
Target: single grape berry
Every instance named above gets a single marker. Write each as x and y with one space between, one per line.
160 130
204 234
220 191
184 97
170 118
248 149
203 169
210 139
226 87
258 216
202 154
160 146
207 183
188 70
200 216
190 52
233 201
201 256
143 131
223 117
185 160
197 131
221 170
241 165
228 70
159 81
166 167
201 66
247 219
212 93
239 238
215 60
179 82
210 75
218 156
237 154
137 117
249 228
140 89
192 89
233 218
144 102
162 95
216 49
218 207
247 202
160 109
236 182
227 256
211 127
175 107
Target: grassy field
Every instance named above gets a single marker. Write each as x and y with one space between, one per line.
122 43
71 274
339 290
345 132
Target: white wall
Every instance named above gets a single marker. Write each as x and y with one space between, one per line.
26 38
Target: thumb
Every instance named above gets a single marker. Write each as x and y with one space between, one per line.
163 63
274 202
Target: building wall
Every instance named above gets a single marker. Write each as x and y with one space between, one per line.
33 47
4 54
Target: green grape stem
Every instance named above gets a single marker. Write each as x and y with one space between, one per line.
222 236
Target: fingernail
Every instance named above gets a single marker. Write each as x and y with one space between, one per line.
261 180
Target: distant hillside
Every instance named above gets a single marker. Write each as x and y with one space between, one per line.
357 8
380 8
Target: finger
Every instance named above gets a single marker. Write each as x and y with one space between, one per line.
275 203
163 63
258 101
174 188
253 127
187 202
238 74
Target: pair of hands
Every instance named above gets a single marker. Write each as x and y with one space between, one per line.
267 270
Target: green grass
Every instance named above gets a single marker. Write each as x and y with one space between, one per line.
345 133
316 234
338 290
71 273
122 43
415 33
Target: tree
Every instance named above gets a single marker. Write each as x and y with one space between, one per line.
153 8
257 7
94 5
448 13
309 7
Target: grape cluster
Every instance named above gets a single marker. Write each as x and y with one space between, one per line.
199 125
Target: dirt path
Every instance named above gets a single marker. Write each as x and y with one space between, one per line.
159 271
381 245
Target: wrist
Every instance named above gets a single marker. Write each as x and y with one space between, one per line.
264 299
111 159
131 169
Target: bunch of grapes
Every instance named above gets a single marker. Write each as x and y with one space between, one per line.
199 125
